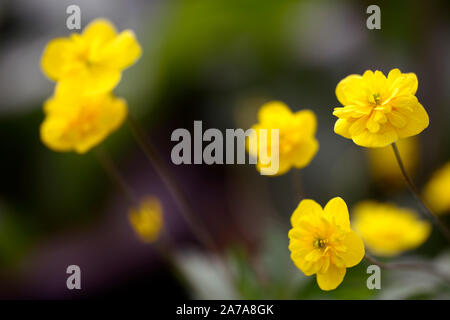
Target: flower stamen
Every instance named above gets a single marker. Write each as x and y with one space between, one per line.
376 98
319 243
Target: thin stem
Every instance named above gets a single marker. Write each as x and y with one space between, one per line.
297 185
418 197
110 168
423 267
172 185
164 248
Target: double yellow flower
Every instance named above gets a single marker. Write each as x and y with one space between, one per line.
378 110
297 144
322 242
87 67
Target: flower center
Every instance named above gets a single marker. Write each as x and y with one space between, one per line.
289 138
319 243
376 98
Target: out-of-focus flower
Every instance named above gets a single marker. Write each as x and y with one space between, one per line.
322 243
296 145
146 220
388 230
76 122
378 110
437 190
94 58
384 166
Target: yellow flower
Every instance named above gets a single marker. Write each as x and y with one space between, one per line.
147 219
378 110
388 230
385 168
437 190
75 122
94 58
322 243
296 145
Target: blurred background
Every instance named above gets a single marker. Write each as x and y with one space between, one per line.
215 61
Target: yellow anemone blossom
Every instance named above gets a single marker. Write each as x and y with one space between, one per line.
437 190
322 243
146 220
378 110
388 230
296 143
384 167
77 123
94 58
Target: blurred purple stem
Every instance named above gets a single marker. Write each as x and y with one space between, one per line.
437 221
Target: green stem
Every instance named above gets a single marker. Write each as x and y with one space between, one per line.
436 220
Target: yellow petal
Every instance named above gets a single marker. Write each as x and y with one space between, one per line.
331 279
407 84
50 132
122 52
379 82
372 125
304 153
417 120
99 32
355 249
397 119
273 109
350 90
95 80
50 105
110 120
393 75
380 117
353 111
284 165
358 126
306 121
437 190
340 112
376 140
368 76
307 267
58 56
313 255
305 208
401 84
342 127
404 102
336 210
